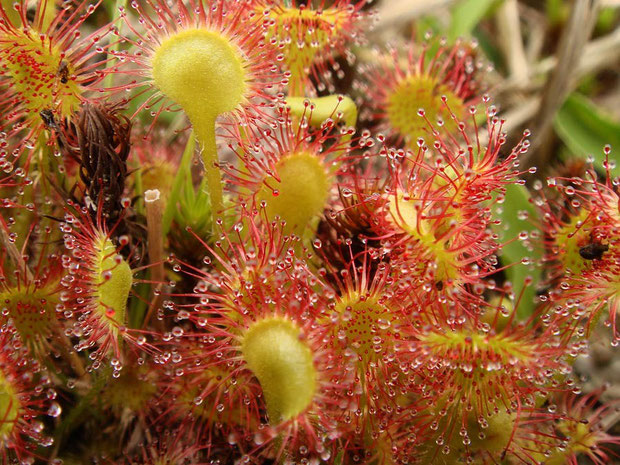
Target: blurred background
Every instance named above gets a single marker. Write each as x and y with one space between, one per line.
555 65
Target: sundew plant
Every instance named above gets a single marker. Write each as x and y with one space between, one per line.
294 232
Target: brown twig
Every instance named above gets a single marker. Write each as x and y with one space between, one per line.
154 213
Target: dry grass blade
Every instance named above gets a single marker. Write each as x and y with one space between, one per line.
511 41
560 82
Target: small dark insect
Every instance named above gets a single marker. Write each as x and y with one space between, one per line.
63 71
48 118
593 251
439 285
